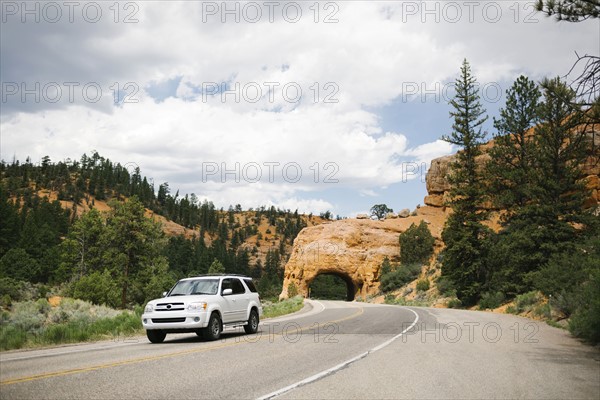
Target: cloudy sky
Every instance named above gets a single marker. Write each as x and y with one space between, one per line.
311 105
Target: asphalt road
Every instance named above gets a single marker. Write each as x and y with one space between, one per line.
335 350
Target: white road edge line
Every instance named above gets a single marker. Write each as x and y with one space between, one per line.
336 368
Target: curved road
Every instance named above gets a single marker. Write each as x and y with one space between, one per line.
335 350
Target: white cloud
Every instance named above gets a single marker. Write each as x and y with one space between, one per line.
363 61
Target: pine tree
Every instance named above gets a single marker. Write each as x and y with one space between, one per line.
133 244
9 222
541 224
510 168
561 150
464 234
570 10
216 267
81 251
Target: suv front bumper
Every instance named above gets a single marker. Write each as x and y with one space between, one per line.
176 321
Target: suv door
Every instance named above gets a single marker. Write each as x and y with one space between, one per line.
228 302
236 303
242 299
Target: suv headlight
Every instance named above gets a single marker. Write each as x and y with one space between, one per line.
149 308
197 306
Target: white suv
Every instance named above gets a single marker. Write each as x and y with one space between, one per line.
204 305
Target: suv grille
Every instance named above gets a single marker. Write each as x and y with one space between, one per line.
167 320
169 307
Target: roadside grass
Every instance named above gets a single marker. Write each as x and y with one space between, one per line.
34 324
401 301
276 309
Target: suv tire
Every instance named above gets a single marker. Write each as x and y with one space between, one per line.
156 336
213 330
252 325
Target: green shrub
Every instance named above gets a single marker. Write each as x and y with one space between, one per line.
386 266
18 290
271 310
35 323
567 271
401 301
389 298
585 322
423 285
292 290
567 302
491 300
18 264
34 317
27 316
416 244
530 301
5 301
445 287
97 288
543 310
555 324
524 302
399 276
454 303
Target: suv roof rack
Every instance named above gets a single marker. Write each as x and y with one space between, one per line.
218 275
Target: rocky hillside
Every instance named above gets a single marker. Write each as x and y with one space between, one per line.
266 236
40 204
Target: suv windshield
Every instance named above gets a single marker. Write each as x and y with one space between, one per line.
197 286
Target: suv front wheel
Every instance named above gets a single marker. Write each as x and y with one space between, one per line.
213 330
156 336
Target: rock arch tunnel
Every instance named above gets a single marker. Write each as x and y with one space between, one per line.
351 287
301 283
351 249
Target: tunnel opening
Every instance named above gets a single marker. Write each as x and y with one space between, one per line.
332 286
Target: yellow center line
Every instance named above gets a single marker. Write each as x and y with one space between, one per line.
360 311
112 364
158 357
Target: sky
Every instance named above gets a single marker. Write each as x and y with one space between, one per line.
315 106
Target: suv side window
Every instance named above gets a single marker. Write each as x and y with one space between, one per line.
250 285
237 287
226 284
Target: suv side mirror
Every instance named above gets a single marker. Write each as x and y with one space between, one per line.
227 292
164 294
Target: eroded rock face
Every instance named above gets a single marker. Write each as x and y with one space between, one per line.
438 186
351 248
436 180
